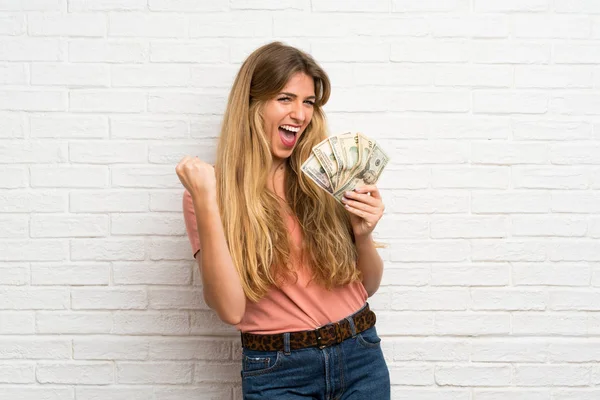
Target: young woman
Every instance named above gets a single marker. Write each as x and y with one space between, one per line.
280 258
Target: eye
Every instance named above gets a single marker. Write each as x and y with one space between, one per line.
284 99
311 102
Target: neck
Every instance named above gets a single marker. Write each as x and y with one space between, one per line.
277 178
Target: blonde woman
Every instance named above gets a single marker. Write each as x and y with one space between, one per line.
280 258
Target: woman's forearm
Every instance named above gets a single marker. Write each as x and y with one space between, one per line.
221 283
369 263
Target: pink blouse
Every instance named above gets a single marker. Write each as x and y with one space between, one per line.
298 304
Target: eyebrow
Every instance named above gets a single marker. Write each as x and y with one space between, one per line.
294 96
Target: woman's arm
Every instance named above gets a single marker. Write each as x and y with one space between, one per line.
222 288
369 264
221 283
366 209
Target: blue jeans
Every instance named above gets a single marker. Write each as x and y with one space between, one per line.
351 370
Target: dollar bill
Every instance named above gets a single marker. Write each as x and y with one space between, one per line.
324 154
349 144
338 152
368 175
317 173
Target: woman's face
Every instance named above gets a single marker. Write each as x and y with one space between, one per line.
287 115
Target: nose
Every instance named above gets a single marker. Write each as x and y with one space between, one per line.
298 113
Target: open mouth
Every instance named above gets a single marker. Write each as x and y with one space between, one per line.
288 135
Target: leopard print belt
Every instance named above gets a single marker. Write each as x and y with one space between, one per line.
322 337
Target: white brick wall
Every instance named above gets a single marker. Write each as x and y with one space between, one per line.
490 110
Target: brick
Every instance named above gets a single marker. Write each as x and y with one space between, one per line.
508 250
548 129
69 75
505 52
476 26
12 126
106 101
69 176
148 128
343 51
31 5
508 300
33 250
145 177
482 177
552 375
108 152
107 5
548 226
13 73
16 274
510 5
53 322
57 225
350 6
472 324
106 348
33 100
478 274
551 274
154 373
108 50
152 273
68 126
188 5
107 249
432 300
109 299
34 298
552 177
17 322
463 375
143 224
72 24
108 201
474 76
552 26
13 178
79 373
75 274
192 52
150 75
559 324
151 323
186 103
147 25
25 201
35 348
30 49
445 227
242 25
427 50
17 372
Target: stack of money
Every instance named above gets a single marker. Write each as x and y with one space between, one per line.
341 163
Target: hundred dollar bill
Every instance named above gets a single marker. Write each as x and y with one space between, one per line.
365 147
338 152
324 154
316 172
349 144
368 175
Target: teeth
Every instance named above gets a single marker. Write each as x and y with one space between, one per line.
290 128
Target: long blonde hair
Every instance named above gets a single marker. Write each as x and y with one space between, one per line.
255 231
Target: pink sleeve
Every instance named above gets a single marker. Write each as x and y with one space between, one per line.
191 226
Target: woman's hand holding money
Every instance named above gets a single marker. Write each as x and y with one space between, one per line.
366 210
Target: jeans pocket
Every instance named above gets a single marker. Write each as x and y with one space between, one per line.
369 338
258 364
